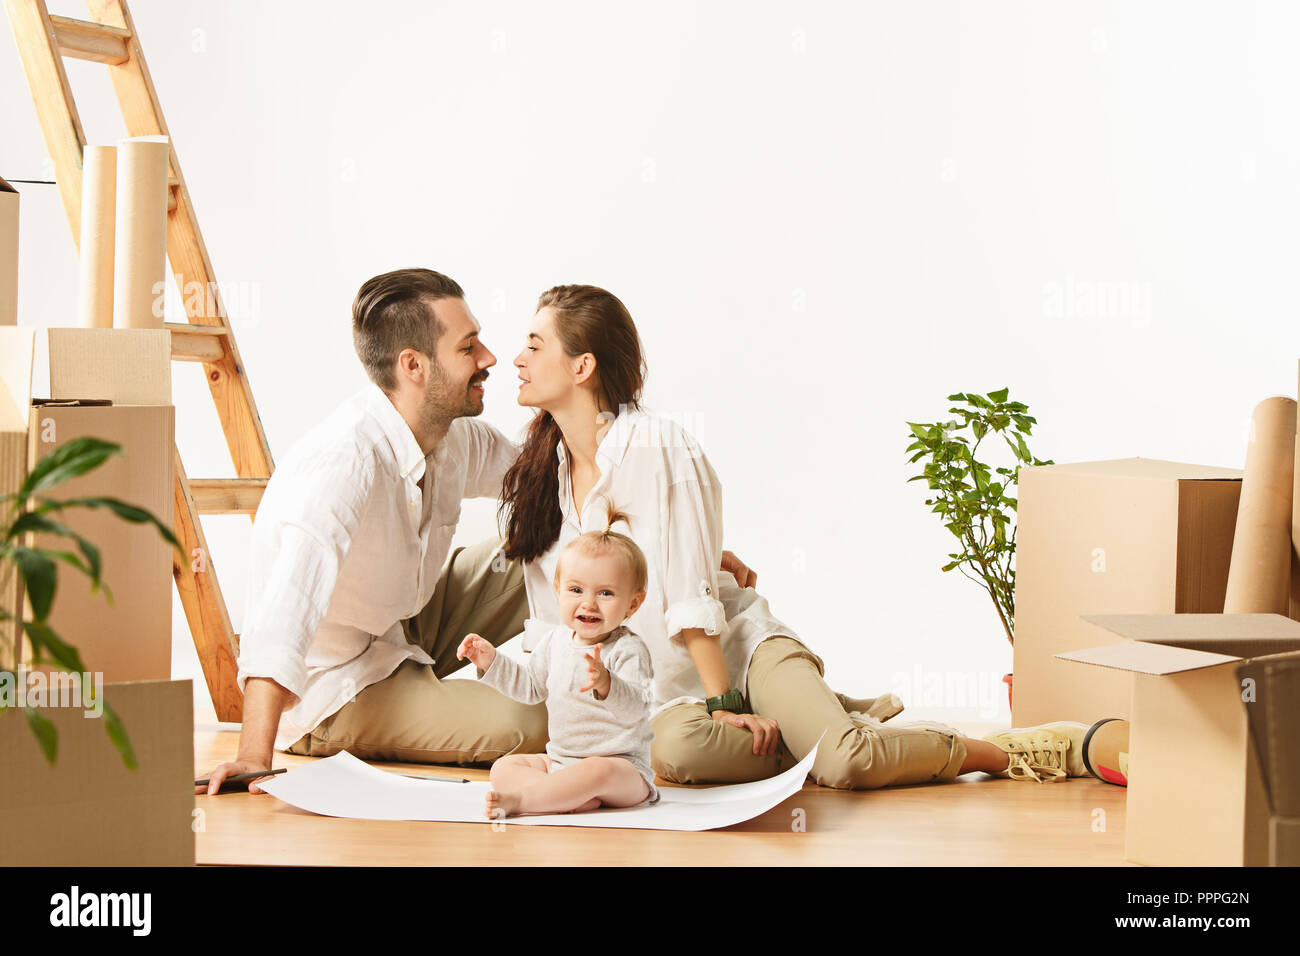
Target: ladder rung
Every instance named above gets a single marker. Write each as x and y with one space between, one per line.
172 183
227 496
196 343
84 40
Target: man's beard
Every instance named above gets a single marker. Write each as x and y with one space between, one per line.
443 402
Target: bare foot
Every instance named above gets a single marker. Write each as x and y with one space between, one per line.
501 805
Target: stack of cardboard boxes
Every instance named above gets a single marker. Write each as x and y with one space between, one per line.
1123 566
88 809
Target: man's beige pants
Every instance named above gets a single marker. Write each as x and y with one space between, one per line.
416 716
785 683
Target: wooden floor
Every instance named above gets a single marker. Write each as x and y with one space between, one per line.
977 820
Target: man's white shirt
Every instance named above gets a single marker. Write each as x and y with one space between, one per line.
346 546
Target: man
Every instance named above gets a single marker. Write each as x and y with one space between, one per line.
350 627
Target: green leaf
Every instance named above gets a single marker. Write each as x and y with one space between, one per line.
63 653
920 431
33 522
38 574
117 734
1000 395
46 734
1023 448
127 512
68 461
957 397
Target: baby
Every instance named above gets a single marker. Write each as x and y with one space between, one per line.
594 675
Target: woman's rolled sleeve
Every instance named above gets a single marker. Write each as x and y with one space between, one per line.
692 544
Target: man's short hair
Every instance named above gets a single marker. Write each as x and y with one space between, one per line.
394 311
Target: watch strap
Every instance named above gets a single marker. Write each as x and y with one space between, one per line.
732 700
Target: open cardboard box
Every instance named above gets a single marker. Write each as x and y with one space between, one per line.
1130 536
1196 793
129 640
1274 725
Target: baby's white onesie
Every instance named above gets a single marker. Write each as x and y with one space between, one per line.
579 724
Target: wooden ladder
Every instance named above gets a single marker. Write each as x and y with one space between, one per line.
110 38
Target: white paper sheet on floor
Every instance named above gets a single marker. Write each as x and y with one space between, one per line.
343 786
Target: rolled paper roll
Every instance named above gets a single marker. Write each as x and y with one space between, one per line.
98 187
1259 573
1295 531
140 250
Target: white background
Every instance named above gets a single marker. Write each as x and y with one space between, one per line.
824 217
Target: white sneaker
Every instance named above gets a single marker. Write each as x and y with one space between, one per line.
1046 753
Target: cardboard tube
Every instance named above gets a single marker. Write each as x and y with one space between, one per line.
98 187
1259 574
140 250
1295 531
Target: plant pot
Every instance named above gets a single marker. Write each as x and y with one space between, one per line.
1006 679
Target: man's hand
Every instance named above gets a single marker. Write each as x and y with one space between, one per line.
744 577
767 736
597 675
478 651
229 769
264 702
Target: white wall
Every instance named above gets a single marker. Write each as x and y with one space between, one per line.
825 218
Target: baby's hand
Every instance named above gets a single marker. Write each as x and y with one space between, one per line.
597 674
479 652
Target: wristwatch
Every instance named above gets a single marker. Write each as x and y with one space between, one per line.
732 700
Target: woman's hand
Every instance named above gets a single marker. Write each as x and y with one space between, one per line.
767 735
744 576
479 652
597 674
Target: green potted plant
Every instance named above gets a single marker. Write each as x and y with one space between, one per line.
972 498
28 510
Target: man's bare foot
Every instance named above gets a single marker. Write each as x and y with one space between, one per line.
500 805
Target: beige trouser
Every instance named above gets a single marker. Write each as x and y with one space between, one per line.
785 683
414 715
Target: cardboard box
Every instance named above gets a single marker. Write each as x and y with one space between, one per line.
8 254
1196 796
88 809
129 640
1274 719
1133 536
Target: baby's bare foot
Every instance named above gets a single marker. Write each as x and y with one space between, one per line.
501 804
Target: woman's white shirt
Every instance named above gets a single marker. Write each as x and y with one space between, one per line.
655 472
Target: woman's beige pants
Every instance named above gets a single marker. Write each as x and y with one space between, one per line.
785 683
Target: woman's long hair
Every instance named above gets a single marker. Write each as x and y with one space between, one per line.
587 319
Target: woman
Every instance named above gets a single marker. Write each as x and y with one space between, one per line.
738 695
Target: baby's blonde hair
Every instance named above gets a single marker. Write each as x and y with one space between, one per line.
600 543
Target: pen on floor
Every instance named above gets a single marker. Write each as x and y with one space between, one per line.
414 776
240 777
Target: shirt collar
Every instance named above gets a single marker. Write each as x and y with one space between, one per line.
410 460
613 444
